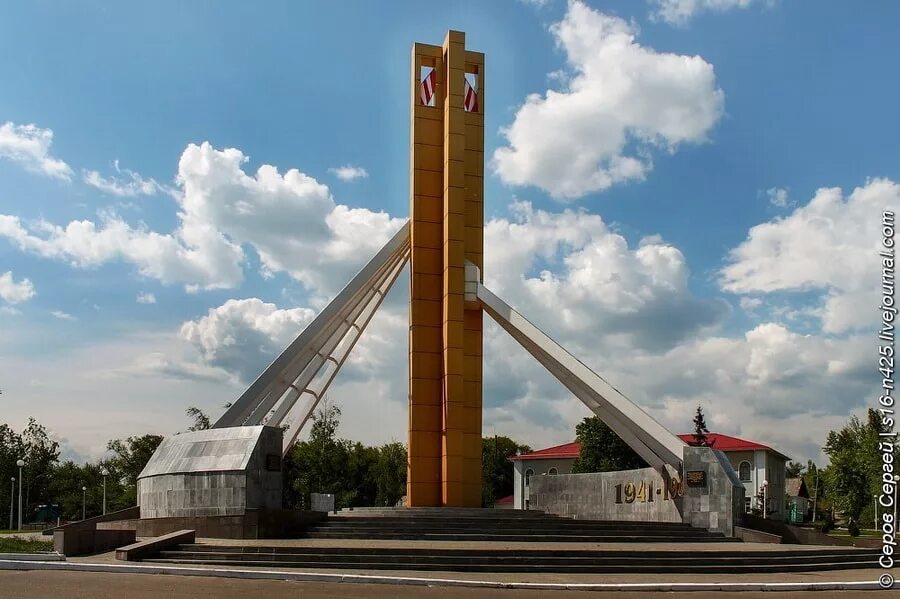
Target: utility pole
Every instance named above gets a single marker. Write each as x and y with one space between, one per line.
20 464
816 496
104 473
12 494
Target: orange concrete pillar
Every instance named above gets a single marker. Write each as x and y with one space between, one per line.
474 250
447 214
423 486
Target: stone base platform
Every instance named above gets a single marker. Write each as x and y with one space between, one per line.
253 524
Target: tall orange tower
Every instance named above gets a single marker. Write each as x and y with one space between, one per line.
446 231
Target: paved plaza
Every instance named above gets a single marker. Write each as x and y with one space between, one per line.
91 585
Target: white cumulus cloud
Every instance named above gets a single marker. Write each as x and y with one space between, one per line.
126 183
590 280
243 335
146 298
622 100
196 254
290 220
29 145
62 315
679 12
829 245
778 196
13 292
349 172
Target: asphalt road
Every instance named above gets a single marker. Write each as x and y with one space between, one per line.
19 584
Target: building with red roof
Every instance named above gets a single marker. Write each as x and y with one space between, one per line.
756 464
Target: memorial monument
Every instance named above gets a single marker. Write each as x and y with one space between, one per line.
443 243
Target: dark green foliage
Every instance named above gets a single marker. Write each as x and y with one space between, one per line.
357 475
853 528
201 420
700 429
855 472
131 455
497 470
390 474
794 469
602 450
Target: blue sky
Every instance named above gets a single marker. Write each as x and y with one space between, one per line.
776 101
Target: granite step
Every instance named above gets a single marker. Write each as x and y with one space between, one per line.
707 560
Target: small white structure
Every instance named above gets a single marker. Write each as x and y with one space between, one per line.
545 462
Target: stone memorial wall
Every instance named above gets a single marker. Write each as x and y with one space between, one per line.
629 495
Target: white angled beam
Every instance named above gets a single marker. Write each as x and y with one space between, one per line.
258 400
356 332
651 440
303 369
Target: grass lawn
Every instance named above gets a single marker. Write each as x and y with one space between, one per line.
20 545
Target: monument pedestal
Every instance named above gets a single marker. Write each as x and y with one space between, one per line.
215 472
713 493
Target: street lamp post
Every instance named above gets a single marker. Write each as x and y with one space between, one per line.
83 501
20 464
765 498
104 473
12 495
896 484
875 501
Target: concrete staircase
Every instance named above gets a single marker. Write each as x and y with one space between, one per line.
510 541
500 525
525 561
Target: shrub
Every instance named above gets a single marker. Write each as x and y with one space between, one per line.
853 528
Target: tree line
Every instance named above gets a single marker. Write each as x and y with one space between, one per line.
357 474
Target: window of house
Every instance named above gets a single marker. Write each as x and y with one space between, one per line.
744 471
553 472
748 504
528 474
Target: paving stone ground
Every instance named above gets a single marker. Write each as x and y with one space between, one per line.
91 585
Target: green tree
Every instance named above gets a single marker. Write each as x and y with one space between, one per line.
199 417
793 470
389 473
41 454
11 449
319 464
129 458
602 450
357 485
66 486
496 469
700 429
854 474
814 477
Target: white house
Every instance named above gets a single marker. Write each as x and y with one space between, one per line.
754 462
